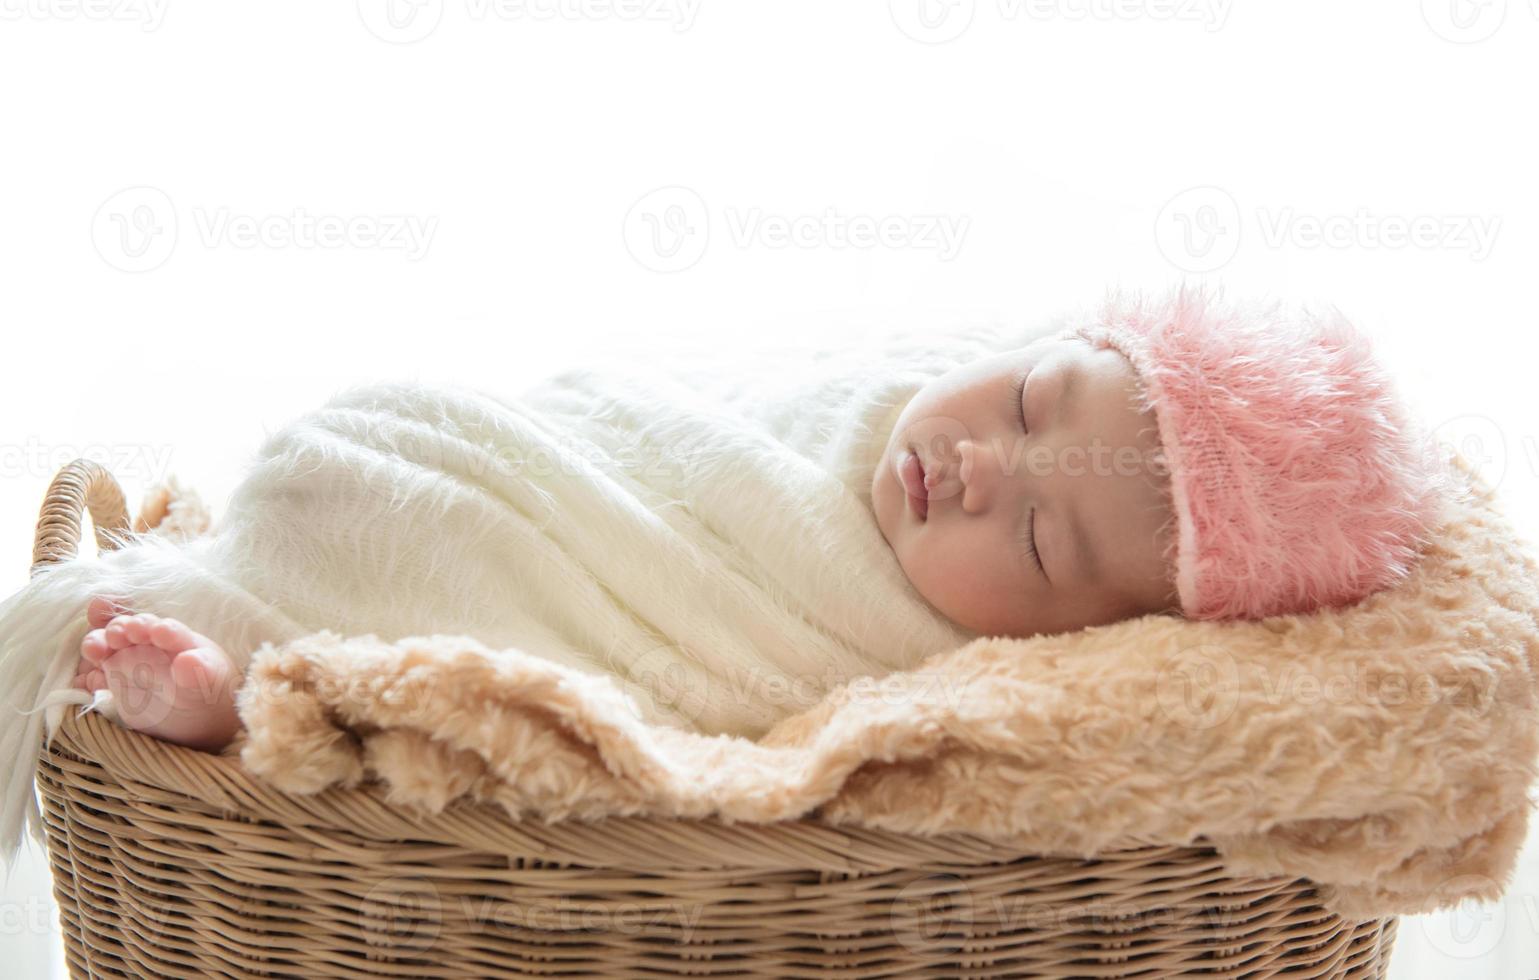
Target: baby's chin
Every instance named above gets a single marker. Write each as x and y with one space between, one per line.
885 500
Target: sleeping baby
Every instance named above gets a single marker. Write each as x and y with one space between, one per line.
1181 456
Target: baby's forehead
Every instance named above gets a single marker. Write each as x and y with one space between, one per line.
1069 342
1076 349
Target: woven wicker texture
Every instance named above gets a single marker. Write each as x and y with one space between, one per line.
80 486
170 862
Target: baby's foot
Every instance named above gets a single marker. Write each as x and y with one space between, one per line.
166 680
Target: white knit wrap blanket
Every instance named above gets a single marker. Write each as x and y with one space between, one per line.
699 530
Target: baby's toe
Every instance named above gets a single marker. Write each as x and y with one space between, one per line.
91 680
94 648
130 630
174 636
116 633
101 610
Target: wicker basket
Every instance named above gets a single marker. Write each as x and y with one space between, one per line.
171 862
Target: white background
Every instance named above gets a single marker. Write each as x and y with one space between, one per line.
215 215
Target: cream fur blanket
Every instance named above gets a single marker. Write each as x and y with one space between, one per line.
698 524
1384 751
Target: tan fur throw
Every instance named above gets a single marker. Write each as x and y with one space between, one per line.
1384 750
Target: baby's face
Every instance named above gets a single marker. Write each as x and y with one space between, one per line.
1072 459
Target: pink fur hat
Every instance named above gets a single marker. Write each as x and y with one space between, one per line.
1297 479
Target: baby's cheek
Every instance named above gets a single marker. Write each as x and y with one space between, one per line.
968 584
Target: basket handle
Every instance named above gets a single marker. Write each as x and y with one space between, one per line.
80 485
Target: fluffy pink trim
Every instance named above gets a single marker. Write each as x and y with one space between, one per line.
1297 477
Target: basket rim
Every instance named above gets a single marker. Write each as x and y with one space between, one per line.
152 770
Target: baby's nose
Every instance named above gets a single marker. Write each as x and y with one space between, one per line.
978 477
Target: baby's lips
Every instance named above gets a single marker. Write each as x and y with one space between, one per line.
934 440
942 479
911 472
